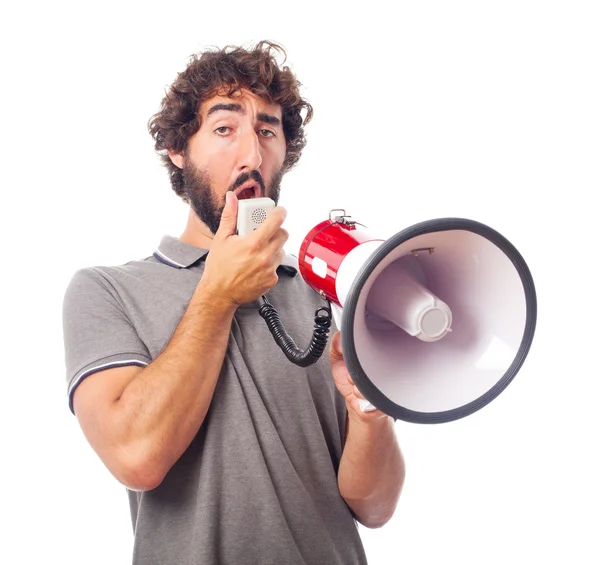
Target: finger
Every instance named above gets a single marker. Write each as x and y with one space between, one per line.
269 227
274 253
279 238
336 342
277 242
335 349
228 224
279 256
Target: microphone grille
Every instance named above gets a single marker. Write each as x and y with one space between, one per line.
259 215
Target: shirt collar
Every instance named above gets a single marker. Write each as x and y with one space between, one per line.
180 255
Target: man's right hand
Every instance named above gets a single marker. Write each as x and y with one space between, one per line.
242 268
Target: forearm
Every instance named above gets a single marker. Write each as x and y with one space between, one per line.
162 408
371 472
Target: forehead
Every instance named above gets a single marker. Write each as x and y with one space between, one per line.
251 104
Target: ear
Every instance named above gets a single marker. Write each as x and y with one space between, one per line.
176 159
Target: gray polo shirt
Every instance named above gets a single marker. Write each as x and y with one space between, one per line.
258 484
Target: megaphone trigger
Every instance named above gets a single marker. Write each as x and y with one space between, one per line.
365 405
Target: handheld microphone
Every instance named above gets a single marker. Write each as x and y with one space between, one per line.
252 212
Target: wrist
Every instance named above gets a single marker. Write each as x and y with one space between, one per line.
214 298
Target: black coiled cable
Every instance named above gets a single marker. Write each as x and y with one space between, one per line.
285 341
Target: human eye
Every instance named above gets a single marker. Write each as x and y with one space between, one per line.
266 133
223 130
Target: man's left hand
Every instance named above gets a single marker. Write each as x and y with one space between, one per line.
345 384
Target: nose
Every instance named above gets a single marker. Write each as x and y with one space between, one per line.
250 152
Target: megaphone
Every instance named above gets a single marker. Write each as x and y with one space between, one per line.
435 321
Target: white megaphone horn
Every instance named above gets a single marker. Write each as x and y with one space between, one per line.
435 321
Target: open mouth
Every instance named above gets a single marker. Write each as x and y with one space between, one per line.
251 191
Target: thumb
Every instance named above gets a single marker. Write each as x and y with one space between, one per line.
228 223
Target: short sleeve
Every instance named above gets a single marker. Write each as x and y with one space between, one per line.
97 333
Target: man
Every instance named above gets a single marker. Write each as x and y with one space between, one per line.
230 453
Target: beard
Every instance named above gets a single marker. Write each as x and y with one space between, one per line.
204 201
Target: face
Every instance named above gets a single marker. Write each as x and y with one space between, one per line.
240 146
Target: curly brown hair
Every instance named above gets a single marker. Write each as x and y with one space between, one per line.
228 70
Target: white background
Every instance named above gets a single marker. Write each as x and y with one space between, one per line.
484 110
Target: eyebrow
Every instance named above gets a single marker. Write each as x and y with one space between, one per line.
262 116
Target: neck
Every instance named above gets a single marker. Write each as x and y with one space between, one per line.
196 232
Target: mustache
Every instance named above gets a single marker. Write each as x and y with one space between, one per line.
245 177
